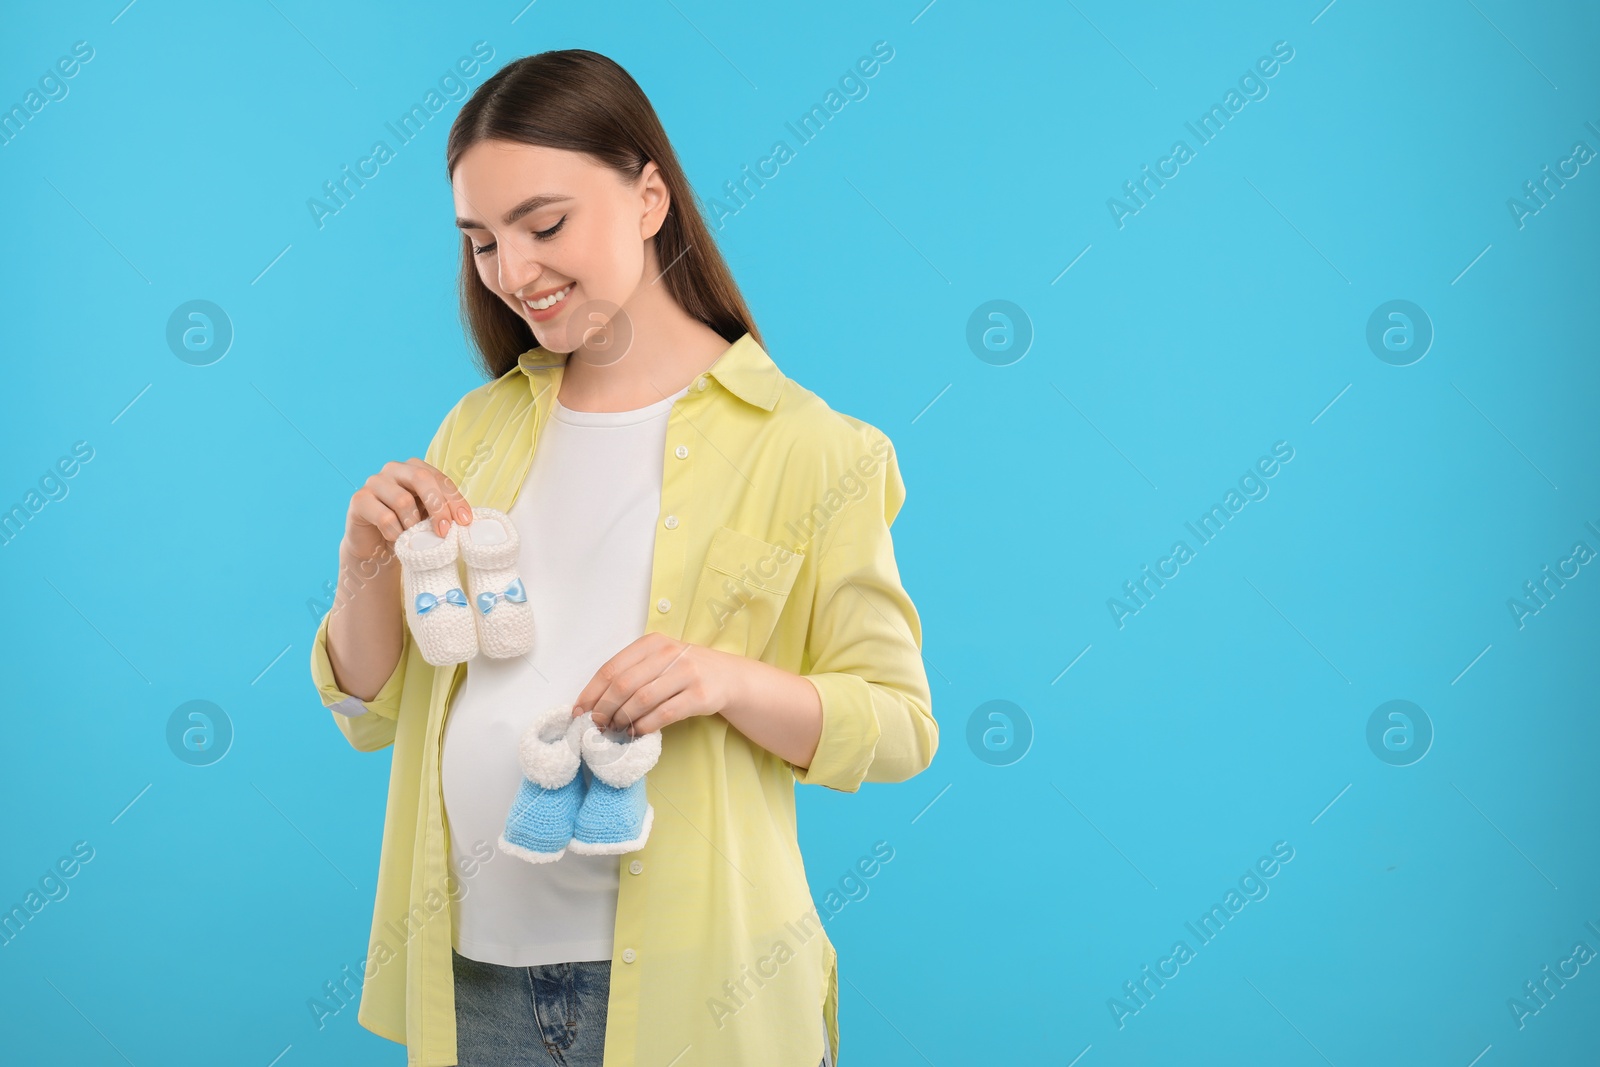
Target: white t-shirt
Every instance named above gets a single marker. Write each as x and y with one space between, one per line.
587 520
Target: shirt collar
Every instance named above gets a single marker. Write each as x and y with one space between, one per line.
745 370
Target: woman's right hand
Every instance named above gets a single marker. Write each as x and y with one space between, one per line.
396 498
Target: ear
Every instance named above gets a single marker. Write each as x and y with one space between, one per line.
657 199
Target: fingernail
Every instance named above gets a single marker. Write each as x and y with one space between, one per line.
463 516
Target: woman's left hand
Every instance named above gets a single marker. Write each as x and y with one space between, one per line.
659 680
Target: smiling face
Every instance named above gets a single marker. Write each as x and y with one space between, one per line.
563 239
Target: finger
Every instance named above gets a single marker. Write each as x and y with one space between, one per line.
643 661
674 709
605 704
666 682
398 499
451 503
652 678
432 498
653 682
422 483
617 695
602 696
367 508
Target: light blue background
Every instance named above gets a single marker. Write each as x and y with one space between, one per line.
1227 315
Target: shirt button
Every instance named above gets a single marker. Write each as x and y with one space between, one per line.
682 451
663 605
671 522
628 955
635 867
701 384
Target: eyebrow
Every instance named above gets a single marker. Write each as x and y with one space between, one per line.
533 203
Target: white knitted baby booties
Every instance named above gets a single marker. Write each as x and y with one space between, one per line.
490 547
436 604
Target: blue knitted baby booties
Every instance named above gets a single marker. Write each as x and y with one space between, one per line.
546 806
616 815
612 817
541 820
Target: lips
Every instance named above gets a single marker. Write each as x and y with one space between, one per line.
540 313
541 294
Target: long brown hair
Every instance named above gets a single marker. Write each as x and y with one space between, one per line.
581 101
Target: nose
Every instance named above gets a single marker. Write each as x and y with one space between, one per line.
519 271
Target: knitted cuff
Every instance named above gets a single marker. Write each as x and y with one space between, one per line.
618 763
549 750
490 541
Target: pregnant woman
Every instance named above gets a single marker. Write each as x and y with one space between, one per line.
704 545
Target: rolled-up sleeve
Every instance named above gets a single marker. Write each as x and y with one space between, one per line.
865 645
368 725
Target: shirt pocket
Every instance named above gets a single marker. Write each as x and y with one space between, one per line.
740 593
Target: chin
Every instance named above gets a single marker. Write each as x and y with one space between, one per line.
554 337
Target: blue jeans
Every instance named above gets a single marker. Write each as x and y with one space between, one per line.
554 1013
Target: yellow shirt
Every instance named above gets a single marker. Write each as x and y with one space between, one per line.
773 542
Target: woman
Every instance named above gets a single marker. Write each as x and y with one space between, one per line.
706 550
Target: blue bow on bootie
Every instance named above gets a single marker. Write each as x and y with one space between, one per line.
426 602
514 593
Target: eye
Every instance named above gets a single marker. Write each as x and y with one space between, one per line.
545 235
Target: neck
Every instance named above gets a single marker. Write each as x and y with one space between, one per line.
667 350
